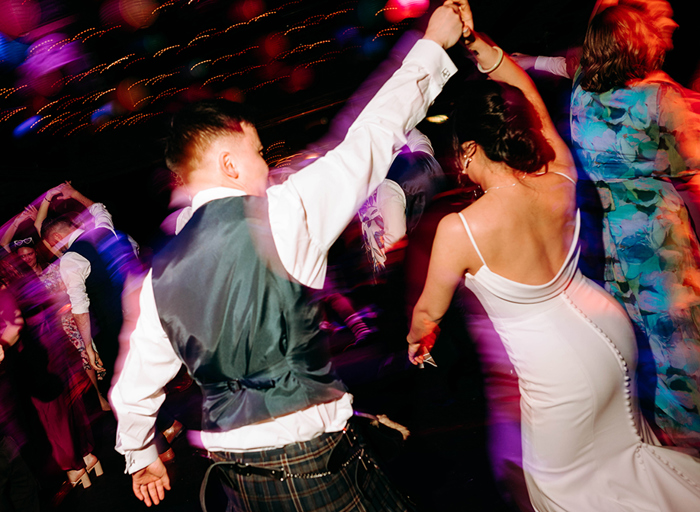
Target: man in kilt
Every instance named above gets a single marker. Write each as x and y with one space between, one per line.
228 296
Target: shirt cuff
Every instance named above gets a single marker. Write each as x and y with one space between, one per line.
435 60
139 459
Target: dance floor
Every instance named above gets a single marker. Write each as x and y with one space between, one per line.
443 466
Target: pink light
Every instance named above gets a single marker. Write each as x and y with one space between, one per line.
399 10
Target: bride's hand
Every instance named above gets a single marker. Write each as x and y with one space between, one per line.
465 14
421 344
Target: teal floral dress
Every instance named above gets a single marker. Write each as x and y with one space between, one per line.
631 142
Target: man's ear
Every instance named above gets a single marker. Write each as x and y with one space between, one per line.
227 164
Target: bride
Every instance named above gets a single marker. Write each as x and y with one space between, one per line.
585 444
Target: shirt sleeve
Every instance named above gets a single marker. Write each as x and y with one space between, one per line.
391 202
310 210
554 65
103 219
418 141
138 394
75 270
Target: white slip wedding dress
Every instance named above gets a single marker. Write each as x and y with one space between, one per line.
586 446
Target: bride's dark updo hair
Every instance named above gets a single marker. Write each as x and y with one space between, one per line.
504 123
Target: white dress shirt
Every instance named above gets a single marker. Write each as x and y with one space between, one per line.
75 269
307 214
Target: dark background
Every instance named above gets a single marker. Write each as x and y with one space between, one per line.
296 63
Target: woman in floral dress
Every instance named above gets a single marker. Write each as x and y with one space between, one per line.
634 133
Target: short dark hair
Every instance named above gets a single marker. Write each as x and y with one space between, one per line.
58 224
620 45
197 124
504 123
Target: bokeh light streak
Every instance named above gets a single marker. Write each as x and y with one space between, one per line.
235 54
229 75
386 9
302 48
62 42
255 87
9 91
136 104
82 75
76 129
37 46
170 92
96 96
385 32
80 34
38 121
201 35
291 68
134 62
49 105
199 64
337 13
160 52
166 4
252 20
117 62
98 33
11 113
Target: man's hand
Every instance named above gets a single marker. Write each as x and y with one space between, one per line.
446 26
151 482
62 191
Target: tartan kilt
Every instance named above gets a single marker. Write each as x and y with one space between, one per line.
360 486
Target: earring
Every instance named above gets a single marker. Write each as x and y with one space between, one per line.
466 165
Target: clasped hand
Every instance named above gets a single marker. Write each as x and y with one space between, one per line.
449 22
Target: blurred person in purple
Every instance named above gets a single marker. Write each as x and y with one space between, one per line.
18 488
50 275
94 269
45 367
228 296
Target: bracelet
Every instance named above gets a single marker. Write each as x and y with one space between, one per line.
47 199
498 61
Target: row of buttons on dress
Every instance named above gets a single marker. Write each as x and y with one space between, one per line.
623 367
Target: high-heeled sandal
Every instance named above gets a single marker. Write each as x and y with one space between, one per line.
95 466
81 477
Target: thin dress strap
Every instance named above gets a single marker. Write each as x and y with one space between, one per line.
469 233
565 176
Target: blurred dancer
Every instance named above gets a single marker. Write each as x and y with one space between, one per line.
585 444
18 489
93 267
228 297
44 365
634 131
